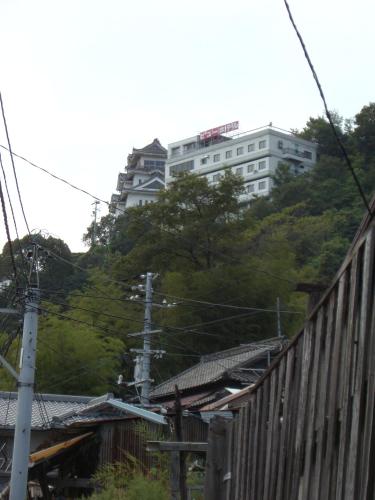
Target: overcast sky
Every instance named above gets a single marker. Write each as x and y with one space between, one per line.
83 81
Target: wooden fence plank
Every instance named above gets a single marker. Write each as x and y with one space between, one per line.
262 437
276 428
285 424
369 395
348 366
256 441
351 492
269 434
331 414
293 412
250 445
227 478
301 411
312 403
320 428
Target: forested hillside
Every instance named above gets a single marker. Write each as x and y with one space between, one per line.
220 268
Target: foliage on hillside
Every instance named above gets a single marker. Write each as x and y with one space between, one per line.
206 249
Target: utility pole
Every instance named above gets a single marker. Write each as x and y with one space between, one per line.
95 214
146 385
25 382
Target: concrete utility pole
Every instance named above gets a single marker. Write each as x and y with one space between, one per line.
21 449
145 394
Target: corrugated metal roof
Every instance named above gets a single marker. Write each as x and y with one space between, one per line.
214 367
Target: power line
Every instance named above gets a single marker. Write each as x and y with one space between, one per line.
13 165
5 217
79 321
8 195
187 329
328 114
96 312
226 305
13 216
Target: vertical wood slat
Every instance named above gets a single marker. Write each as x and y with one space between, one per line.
262 438
276 430
244 453
312 409
369 326
347 376
290 444
322 397
256 441
269 435
333 388
227 479
351 477
285 424
250 445
301 411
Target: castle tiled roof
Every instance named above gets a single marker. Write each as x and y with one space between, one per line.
155 148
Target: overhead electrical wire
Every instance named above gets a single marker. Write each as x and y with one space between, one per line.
185 329
328 114
13 217
13 165
11 252
184 299
226 305
141 321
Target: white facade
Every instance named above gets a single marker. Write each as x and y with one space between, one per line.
254 156
142 180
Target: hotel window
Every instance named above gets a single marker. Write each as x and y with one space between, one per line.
189 147
262 165
175 151
250 188
240 151
307 154
140 203
251 147
262 144
204 160
228 154
239 171
181 167
217 157
251 168
216 177
262 185
280 144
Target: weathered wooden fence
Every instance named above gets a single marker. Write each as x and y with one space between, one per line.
307 430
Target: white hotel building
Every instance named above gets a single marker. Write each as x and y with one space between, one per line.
253 155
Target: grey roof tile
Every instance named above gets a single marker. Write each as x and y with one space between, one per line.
216 366
45 407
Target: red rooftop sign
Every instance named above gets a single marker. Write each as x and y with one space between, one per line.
214 132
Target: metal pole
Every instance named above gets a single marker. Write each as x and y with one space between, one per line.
21 448
279 333
145 394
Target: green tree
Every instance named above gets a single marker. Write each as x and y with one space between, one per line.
364 131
